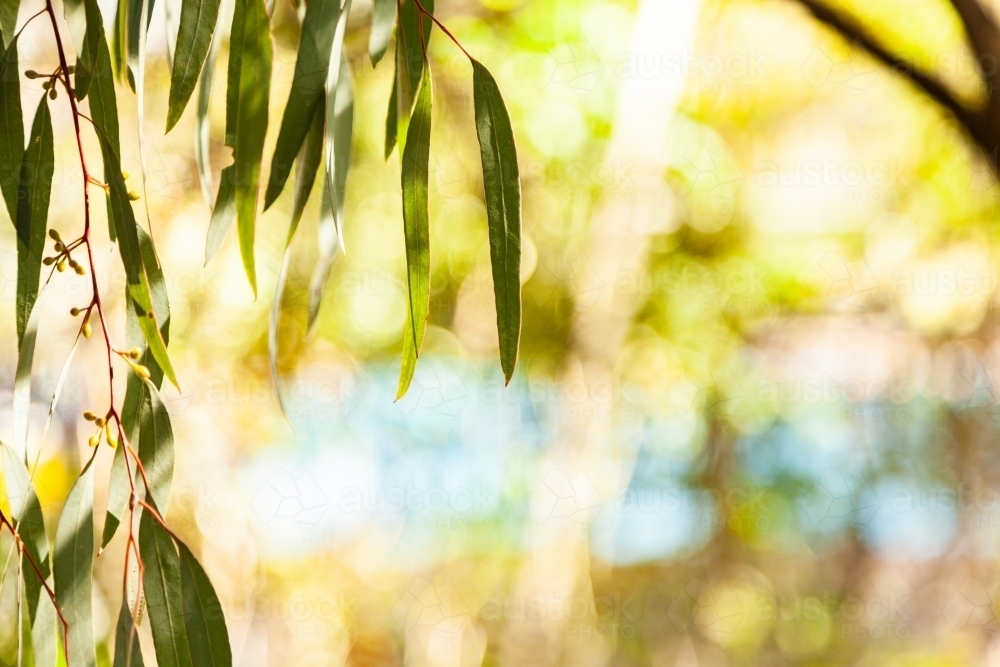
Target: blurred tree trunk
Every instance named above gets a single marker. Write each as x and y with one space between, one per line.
588 463
981 125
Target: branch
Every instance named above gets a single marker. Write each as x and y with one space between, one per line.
983 34
857 36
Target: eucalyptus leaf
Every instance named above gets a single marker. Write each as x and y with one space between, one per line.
416 230
11 128
161 581
383 18
34 190
26 512
502 185
127 650
156 446
203 615
194 40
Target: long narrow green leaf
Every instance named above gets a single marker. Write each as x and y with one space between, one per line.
34 189
30 524
334 153
156 446
194 39
391 124
11 128
205 621
118 495
127 651
72 567
223 214
251 125
383 17
22 376
502 184
162 584
416 228
311 65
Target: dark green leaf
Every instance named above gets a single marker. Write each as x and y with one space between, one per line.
223 214
502 184
251 124
383 16
72 567
127 651
311 65
8 19
119 491
307 166
390 118
194 39
156 446
202 126
34 189
416 229
11 129
206 624
86 64
162 585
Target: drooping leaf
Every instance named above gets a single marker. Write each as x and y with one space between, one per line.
27 517
337 153
156 446
34 189
137 264
416 230
127 651
502 184
11 128
22 376
390 118
194 40
223 214
133 23
383 17
205 621
202 127
412 35
72 567
162 584
119 491
251 124
311 65
340 130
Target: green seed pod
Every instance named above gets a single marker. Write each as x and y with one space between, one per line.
61 265
49 261
100 421
112 437
95 439
52 93
54 235
89 416
31 74
80 270
71 69
87 330
141 371
59 246
74 311
135 353
133 195
125 175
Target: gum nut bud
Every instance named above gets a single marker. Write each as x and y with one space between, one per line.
112 436
87 330
54 235
74 311
135 353
59 246
52 93
49 261
133 195
61 265
100 421
31 74
89 416
125 175
94 440
46 84
80 270
71 69
142 371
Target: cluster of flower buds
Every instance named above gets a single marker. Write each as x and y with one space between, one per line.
86 329
104 427
50 79
62 258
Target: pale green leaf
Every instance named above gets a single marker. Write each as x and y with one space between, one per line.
8 19
416 230
72 567
194 39
202 126
27 515
156 446
411 41
502 185
127 651
383 17
223 214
